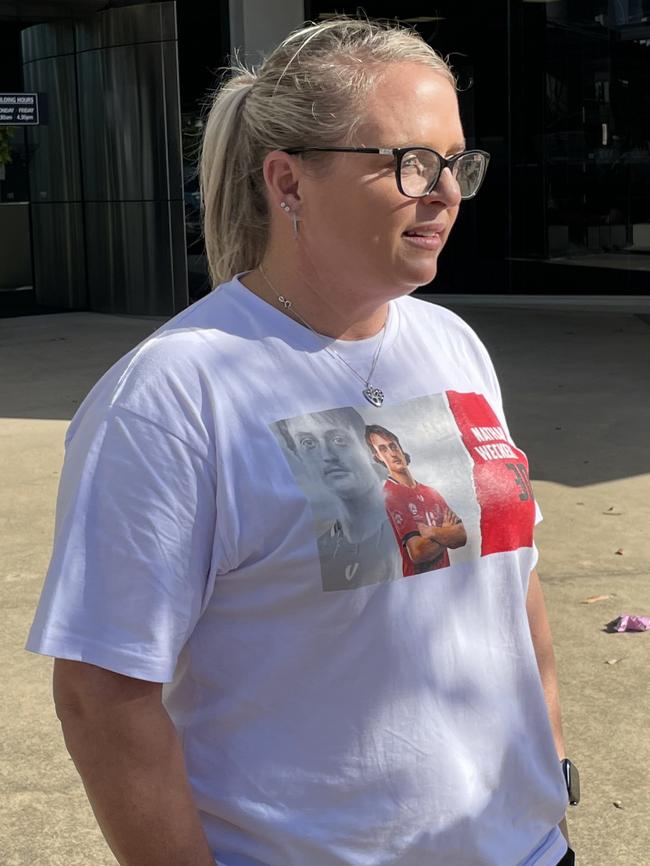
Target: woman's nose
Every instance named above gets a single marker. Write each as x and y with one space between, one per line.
446 190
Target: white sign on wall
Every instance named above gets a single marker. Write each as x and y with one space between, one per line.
19 109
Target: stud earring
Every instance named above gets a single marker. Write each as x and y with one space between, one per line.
285 207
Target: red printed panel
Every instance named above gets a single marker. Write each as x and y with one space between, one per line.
500 473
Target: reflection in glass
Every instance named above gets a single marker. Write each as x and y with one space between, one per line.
584 146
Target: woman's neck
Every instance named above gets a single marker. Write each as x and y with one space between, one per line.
314 306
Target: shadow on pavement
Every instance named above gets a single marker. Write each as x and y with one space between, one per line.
576 389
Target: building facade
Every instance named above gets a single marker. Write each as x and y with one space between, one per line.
99 204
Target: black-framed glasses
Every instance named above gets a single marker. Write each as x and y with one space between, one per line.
418 169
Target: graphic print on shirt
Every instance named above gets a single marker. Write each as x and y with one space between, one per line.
500 474
408 489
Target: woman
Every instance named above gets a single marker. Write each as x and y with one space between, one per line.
392 720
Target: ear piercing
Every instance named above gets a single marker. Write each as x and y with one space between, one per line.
287 209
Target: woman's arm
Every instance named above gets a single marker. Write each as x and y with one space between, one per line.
127 753
540 632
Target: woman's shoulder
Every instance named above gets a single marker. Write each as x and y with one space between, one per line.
167 378
454 338
450 334
423 313
181 348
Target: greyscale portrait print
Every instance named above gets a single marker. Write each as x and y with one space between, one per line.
390 490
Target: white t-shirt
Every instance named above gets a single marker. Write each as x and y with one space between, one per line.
221 527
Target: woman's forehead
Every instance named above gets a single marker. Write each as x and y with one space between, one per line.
412 104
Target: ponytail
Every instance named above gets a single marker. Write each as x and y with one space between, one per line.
232 197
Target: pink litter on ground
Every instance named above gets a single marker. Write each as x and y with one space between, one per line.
629 622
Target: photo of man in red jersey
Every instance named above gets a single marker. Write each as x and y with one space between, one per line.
424 525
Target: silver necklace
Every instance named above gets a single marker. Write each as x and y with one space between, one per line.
373 395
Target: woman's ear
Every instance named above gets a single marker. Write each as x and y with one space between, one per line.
282 177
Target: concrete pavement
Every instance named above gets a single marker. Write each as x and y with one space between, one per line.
576 388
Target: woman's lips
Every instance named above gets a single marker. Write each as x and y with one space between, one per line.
424 242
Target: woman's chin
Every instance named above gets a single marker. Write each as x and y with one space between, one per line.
418 276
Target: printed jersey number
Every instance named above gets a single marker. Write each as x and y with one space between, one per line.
521 480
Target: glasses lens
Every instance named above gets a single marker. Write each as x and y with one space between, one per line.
469 172
418 170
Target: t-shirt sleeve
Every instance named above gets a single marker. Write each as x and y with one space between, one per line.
130 572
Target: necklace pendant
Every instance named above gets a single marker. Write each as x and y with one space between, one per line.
374 395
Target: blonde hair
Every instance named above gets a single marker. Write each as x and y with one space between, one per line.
308 92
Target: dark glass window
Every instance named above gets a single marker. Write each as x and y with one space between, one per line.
581 142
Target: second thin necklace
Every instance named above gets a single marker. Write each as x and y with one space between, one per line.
373 395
